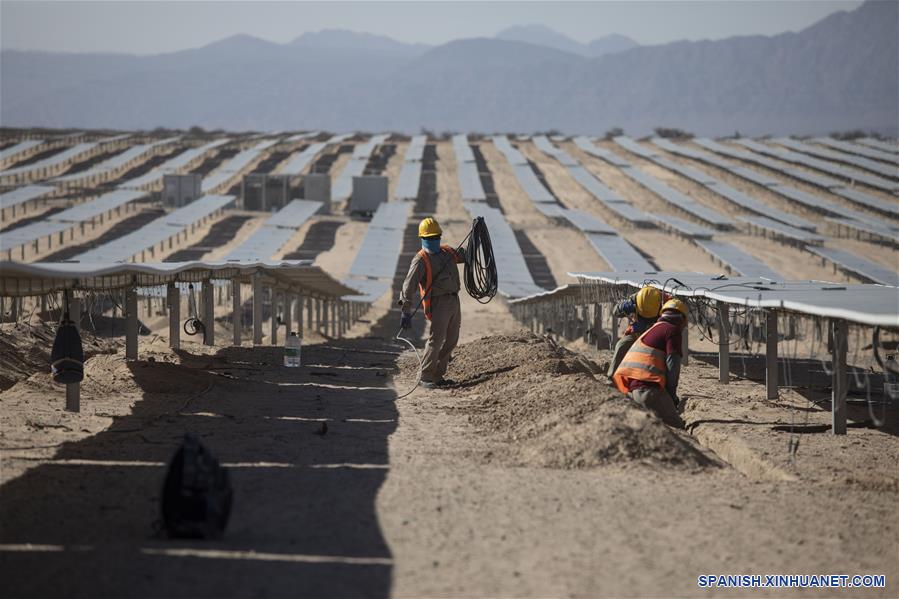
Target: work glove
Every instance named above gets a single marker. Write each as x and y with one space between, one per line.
406 321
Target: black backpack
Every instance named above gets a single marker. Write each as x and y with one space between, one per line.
196 496
67 355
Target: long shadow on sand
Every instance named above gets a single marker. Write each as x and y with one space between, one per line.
304 521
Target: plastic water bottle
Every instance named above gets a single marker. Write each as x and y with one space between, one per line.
292 347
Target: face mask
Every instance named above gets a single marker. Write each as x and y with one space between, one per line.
432 244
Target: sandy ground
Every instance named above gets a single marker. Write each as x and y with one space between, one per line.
531 478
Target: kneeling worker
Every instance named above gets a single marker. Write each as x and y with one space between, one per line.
434 271
650 370
642 308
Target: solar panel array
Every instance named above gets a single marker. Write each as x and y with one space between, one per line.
111 167
737 260
547 147
512 154
678 199
618 253
515 278
231 169
22 146
726 191
66 219
848 261
844 174
884 152
410 173
890 148
683 227
275 232
781 230
157 231
612 158
343 185
469 178
297 163
67 155
867 164
174 165
380 251
586 222
883 230
23 194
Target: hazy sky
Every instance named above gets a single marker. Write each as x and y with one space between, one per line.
163 26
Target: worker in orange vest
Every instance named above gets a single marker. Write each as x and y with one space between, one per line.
642 309
433 271
650 371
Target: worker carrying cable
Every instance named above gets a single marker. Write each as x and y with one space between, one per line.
433 271
650 370
642 309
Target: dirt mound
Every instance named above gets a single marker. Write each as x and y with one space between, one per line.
25 350
546 403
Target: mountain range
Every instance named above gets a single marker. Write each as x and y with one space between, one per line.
840 73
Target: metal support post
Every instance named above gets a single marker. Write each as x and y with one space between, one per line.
723 343
173 298
287 298
273 335
257 309
771 373
208 313
318 315
301 301
73 390
236 313
131 324
840 332
310 326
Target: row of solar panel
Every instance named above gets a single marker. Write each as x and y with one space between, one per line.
66 219
172 166
235 165
343 185
157 231
374 267
837 154
410 173
116 163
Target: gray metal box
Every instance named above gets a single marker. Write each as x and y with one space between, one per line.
317 187
369 192
264 192
180 190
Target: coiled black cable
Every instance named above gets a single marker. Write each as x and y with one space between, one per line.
481 279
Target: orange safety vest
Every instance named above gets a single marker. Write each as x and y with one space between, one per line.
425 290
641 363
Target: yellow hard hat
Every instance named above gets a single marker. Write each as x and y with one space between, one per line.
429 227
676 305
649 302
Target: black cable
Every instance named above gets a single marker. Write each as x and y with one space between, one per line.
481 279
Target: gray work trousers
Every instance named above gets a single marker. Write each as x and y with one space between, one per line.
621 348
446 318
658 400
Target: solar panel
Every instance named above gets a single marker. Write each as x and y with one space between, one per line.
391 215
551 210
18 148
116 163
65 156
635 148
297 163
343 185
264 243
90 210
612 158
835 156
591 183
844 173
629 213
782 230
531 185
294 214
618 253
371 290
737 260
470 182
678 199
547 147
587 222
23 194
684 227
416 149
235 165
759 207
878 229
31 232
868 201
462 149
878 151
689 172
172 166
869 270
514 157
884 146
380 249
409 181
